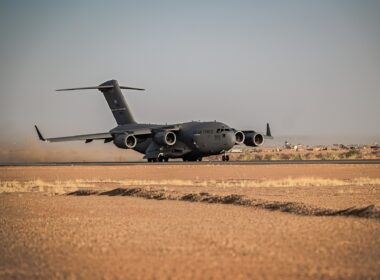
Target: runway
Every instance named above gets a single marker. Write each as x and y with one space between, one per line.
131 163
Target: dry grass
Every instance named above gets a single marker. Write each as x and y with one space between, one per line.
60 187
56 187
285 182
313 153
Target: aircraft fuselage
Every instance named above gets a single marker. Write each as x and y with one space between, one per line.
195 140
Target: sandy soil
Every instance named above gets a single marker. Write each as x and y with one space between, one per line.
191 231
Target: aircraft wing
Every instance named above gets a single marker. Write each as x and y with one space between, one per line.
267 135
146 131
174 127
107 137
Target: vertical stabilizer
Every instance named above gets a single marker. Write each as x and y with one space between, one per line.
117 102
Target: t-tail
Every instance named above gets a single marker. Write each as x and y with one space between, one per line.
115 99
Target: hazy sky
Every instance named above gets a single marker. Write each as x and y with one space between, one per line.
307 67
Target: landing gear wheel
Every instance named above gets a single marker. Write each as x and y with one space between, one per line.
225 158
162 158
191 158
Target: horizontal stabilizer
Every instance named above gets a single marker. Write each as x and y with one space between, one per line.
105 87
132 88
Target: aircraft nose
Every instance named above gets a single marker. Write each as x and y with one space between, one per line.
230 139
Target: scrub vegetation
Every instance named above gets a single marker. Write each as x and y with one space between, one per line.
305 153
61 187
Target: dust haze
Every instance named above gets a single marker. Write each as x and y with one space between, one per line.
36 151
310 69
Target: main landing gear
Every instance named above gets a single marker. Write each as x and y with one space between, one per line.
192 158
160 158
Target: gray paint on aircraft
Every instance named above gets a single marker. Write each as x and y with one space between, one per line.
190 141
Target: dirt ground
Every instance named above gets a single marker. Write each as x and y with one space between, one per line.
218 230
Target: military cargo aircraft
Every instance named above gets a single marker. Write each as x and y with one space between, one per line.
190 141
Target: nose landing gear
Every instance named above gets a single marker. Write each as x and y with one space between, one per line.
225 157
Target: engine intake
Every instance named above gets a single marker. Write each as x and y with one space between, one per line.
165 138
125 141
240 137
254 139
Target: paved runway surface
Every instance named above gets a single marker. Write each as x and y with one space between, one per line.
261 162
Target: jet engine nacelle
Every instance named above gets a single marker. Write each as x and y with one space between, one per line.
125 141
240 137
253 139
165 138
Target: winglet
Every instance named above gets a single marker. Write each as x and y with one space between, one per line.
269 134
39 134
